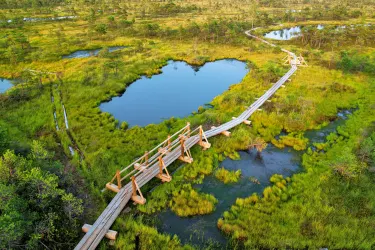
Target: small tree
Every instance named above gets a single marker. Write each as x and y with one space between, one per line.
101 29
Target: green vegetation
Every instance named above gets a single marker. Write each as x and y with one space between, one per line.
295 140
137 234
36 211
354 62
184 200
189 202
330 204
227 176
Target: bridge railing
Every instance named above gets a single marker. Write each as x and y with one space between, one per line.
155 155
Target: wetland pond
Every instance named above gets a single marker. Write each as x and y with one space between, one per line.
287 33
202 230
176 92
5 84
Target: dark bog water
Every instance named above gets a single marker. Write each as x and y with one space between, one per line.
5 84
321 134
177 92
202 230
90 52
287 34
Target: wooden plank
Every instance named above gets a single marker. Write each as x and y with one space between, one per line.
247 122
111 234
224 132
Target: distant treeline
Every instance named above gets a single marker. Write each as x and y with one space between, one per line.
216 31
172 8
30 3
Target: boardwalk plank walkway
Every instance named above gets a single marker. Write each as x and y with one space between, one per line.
93 237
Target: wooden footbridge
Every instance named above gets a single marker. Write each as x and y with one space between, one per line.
154 163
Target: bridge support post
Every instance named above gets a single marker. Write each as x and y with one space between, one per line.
288 59
203 142
139 199
302 61
164 177
113 187
185 158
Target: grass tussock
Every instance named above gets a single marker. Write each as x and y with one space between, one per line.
228 176
189 202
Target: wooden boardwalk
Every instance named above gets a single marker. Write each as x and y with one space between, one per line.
148 167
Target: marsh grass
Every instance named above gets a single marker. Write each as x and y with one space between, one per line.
228 176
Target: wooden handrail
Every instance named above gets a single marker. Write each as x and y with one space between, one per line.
148 159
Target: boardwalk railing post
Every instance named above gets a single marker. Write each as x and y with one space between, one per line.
182 142
160 165
134 187
187 158
169 143
200 135
146 157
139 199
204 144
164 177
118 176
188 129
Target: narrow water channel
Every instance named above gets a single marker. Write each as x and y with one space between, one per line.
90 52
178 91
202 231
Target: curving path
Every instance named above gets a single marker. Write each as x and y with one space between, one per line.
93 237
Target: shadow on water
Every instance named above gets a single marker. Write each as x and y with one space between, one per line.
176 92
90 52
202 230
